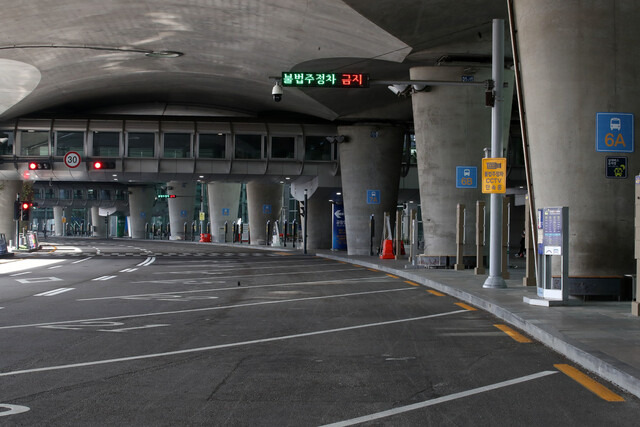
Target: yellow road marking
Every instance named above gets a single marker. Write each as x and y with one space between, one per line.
371 269
465 306
283 253
392 276
513 333
411 283
436 293
55 248
591 385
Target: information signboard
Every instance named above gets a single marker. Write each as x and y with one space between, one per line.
494 175
373 197
552 226
616 167
321 79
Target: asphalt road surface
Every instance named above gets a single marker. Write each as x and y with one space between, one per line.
124 333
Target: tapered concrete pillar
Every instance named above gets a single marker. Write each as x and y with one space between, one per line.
181 208
452 127
319 222
370 166
587 64
264 202
58 225
224 198
8 191
98 222
141 200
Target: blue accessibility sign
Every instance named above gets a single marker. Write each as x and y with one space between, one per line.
266 209
614 132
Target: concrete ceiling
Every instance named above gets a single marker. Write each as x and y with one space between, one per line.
85 57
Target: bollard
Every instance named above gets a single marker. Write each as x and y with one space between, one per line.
186 230
294 233
372 231
479 238
194 230
284 233
168 231
459 265
268 233
226 229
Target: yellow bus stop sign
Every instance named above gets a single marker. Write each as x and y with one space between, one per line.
494 175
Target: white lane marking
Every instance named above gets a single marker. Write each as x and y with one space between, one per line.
230 345
195 310
235 288
150 260
39 280
251 275
134 328
55 266
12 409
53 292
438 400
82 260
128 270
232 267
103 278
20 274
27 264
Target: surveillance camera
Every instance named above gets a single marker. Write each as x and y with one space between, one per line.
277 92
399 89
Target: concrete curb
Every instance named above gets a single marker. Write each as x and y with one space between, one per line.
553 339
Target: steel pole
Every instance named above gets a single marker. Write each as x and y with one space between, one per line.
495 279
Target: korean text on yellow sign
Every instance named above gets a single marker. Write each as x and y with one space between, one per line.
494 175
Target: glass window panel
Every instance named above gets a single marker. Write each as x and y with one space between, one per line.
177 145
6 143
317 148
69 141
91 194
248 146
283 147
212 146
78 194
141 144
34 143
106 144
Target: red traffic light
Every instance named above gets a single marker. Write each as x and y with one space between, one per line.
25 206
33 166
97 165
103 164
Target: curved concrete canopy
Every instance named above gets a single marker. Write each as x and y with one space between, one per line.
91 54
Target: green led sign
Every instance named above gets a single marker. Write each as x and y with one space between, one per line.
166 196
301 79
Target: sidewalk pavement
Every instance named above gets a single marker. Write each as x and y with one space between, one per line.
602 337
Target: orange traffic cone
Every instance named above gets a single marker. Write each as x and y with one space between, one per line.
387 250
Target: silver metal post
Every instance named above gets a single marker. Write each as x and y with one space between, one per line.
495 279
306 221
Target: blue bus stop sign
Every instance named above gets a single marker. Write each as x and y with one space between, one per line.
466 177
614 132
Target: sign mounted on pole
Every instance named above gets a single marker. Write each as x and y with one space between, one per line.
614 132
494 175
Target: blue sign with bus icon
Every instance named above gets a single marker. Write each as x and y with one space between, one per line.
614 132
373 197
466 177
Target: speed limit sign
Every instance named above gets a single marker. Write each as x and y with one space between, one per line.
72 159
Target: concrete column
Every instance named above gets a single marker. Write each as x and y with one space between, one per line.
8 191
181 208
319 221
264 201
370 160
452 127
97 221
224 198
58 225
141 200
587 64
